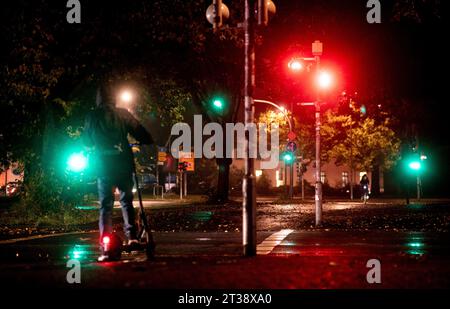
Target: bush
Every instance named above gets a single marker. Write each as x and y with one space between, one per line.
49 199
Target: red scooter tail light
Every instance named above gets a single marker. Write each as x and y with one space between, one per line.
106 240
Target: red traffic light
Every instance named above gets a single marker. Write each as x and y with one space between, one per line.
324 79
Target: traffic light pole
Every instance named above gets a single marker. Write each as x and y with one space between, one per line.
185 184
419 187
291 180
180 179
248 185
291 169
318 186
352 177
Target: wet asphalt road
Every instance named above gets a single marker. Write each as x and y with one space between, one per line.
286 259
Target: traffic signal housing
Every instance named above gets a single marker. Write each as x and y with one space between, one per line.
216 13
265 9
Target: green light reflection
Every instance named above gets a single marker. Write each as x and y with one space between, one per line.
80 252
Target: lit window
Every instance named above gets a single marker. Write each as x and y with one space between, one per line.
323 177
279 177
344 179
258 173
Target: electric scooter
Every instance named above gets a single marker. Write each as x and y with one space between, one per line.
112 245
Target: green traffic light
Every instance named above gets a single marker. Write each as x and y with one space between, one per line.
363 109
218 103
288 157
77 162
415 165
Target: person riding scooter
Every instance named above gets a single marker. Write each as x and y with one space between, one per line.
364 183
106 130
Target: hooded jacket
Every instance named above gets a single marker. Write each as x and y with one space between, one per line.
106 130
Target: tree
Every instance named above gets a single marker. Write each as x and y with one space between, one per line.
49 74
362 143
305 139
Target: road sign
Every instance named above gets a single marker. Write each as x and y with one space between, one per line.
187 157
291 146
162 156
291 136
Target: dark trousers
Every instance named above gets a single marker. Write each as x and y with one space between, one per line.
106 197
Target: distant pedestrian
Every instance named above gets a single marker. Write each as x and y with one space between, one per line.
364 185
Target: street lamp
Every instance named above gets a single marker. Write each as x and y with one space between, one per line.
280 108
125 98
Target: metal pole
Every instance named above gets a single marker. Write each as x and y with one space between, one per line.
180 180
6 181
185 184
291 180
291 169
157 180
303 187
286 179
248 185
351 159
418 187
301 179
318 187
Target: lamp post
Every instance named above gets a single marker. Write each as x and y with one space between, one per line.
281 109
